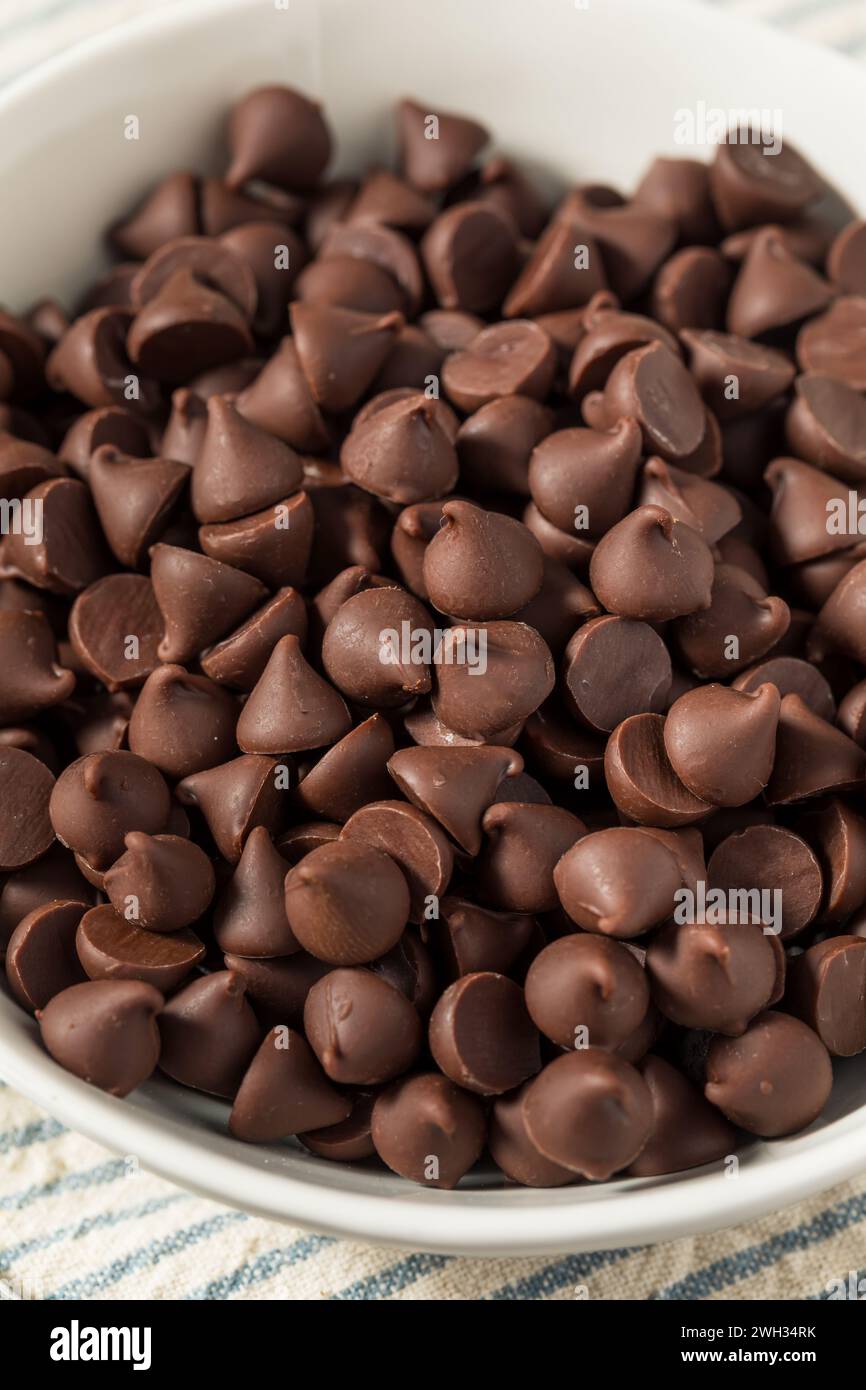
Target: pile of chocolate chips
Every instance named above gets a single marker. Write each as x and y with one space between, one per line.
432 645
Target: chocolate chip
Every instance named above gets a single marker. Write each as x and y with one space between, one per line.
428 1130
362 1029
105 1032
826 425
161 882
240 468
791 676
41 959
506 359
401 453
751 180
846 259
26 830
382 248
618 882
350 283
640 777
239 659
186 328
386 199
687 1132
199 598
115 628
774 288
480 564
634 239
523 843
340 350
346 902
826 987
53 876
482 1036
91 362
739 624
275 254
513 1151
234 798
811 756
717 977
832 343
250 914
652 386
690 289
182 723
437 147
31 677
167 211
558 275
414 841
99 798
112 948
278 135
71 553
209 1034
770 857
517 678
350 1140
472 938
350 774
495 444
284 1091
839 624
587 989
702 727
278 988
590 1112
280 401
614 668
410 968
773 1080
583 479
470 254
651 567
736 376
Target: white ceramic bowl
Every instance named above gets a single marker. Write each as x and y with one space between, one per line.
585 93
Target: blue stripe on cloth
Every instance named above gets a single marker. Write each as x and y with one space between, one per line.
391 1280
264 1267
71 1182
570 1270
86 1226
721 1274
146 1256
37 1132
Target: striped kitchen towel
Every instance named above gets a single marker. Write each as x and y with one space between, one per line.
76 1222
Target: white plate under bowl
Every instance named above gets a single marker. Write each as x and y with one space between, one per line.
585 93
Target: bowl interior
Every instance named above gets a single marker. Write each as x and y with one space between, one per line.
578 93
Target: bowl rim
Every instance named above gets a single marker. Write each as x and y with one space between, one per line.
492 1222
